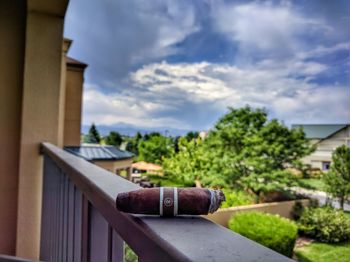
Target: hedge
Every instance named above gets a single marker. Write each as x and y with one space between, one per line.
325 224
269 230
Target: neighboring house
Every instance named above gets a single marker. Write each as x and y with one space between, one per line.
326 138
105 156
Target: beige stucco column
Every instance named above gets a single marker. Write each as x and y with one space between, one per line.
12 44
40 114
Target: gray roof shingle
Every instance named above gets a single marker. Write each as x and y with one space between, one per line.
99 152
319 131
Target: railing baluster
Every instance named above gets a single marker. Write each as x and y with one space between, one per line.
117 248
78 204
70 234
60 218
44 251
100 237
85 229
65 219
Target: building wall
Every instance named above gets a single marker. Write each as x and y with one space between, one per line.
12 35
113 166
40 117
326 147
284 209
73 105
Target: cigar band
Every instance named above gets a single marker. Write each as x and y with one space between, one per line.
161 196
168 201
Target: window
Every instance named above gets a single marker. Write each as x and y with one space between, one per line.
326 166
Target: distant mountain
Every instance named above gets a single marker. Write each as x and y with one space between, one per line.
131 130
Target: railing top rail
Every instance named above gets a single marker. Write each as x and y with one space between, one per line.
186 238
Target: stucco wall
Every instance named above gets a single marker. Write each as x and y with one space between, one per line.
73 105
222 216
114 165
40 119
12 35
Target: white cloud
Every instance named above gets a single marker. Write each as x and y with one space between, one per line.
264 26
285 89
113 36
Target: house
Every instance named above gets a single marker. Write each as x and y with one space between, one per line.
108 157
326 138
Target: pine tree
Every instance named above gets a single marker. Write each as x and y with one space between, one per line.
93 135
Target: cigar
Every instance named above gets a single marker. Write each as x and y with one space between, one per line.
170 201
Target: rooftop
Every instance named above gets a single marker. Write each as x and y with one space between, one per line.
320 131
93 152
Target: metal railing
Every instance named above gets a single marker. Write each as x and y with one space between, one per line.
81 223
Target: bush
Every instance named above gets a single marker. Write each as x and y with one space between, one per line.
325 224
236 198
269 230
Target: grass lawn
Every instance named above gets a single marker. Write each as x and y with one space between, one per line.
313 183
322 252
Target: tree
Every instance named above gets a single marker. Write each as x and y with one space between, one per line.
93 136
253 152
190 164
114 139
133 143
192 135
337 180
155 148
244 150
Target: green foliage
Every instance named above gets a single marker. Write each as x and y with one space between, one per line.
337 180
325 224
166 181
114 139
297 210
192 162
154 148
321 252
253 152
93 136
236 198
313 183
192 135
245 151
129 254
133 143
269 230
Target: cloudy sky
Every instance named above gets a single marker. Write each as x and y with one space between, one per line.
181 63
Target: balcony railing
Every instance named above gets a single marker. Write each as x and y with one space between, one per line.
81 223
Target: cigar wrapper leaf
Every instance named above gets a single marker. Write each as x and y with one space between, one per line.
170 201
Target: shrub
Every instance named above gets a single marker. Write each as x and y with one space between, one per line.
236 198
297 210
269 230
325 224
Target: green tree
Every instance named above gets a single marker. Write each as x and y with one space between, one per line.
155 148
245 151
114 139
191 163
93 136
337 180
133 143
253 152
192 135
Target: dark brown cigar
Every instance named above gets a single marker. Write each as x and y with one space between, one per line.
169 201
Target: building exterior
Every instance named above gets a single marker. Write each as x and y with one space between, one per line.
107 157
326 138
